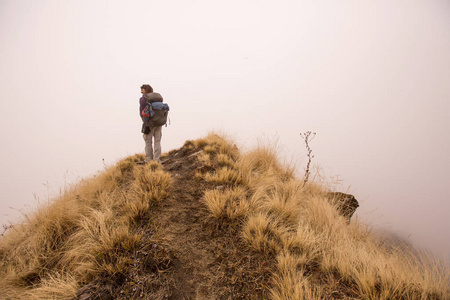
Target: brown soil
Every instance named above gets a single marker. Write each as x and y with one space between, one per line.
180 228
185 254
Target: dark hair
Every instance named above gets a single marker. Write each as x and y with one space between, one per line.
147 88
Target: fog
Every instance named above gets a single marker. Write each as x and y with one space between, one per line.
371 78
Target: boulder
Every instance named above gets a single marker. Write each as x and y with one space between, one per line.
346 203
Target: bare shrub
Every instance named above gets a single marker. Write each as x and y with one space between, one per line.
308 137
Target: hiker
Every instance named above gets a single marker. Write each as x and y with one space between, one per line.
150 131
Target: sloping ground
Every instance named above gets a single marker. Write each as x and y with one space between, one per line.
202 268
184 253
209 223
243 227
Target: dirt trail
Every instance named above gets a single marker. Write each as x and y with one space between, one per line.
184 254
180 229
209 259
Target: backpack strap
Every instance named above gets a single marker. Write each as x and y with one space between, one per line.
150 107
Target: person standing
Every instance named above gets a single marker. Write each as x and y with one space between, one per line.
152 134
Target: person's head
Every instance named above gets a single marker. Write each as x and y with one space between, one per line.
146 88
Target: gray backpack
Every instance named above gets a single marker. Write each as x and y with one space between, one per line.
156 112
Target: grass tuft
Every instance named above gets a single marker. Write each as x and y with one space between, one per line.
229 204
87 230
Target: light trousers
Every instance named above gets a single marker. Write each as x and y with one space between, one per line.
153 153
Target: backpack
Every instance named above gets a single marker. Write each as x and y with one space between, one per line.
155 112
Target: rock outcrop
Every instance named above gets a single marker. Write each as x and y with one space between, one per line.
346 203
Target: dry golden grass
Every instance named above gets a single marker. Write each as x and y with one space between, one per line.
293 283
217 144
85 231
318 253
229 204
218 151
224 175
205 158
209 149
89 229
225 160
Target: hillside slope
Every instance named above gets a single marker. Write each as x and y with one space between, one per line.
209 223
185 255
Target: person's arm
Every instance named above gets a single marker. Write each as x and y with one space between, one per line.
142 103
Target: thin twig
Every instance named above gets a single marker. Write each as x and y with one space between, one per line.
308 137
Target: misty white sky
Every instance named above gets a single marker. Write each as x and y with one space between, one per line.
371 78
